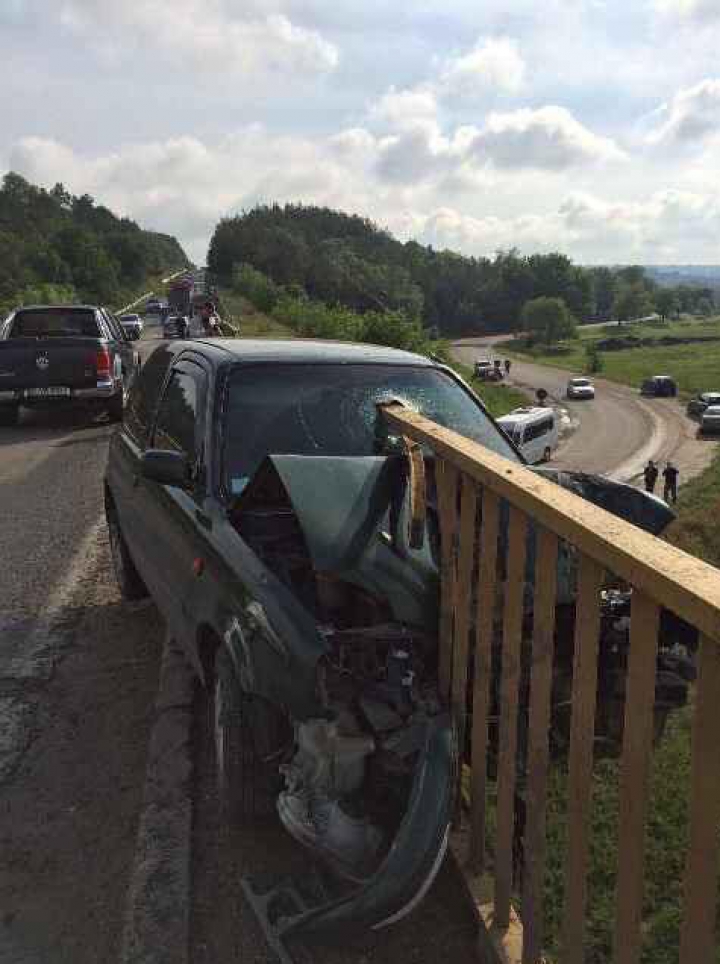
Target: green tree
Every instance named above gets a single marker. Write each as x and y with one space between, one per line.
632 301
547 320
666 303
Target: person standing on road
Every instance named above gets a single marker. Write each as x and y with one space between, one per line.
670 475
650 474
507 366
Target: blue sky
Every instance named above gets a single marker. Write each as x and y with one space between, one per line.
587 126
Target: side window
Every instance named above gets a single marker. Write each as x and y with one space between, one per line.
178 425
144 394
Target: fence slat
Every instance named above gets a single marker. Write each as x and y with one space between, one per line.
446 477
538 726
507 757
635 769
582 732
484 625
466 559
697 940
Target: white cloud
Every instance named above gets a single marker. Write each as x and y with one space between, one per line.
696 11
548 138
494 64
201 32
403 108
692 115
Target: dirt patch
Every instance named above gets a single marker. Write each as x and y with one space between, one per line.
70 809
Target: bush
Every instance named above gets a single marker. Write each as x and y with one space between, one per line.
594 360
260 290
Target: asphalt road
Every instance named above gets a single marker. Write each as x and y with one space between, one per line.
617 432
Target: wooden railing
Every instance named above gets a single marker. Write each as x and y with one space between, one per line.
472 483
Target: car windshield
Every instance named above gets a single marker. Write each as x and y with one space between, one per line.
55 323
580 382
304 409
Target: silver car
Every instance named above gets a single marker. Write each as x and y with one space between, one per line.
133 326
580 388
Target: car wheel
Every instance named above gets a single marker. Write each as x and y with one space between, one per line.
248 778
547 454
128 578
9 415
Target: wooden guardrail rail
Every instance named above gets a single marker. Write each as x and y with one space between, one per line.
472 482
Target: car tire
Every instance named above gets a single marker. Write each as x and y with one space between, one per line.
128 578
547 454
9 415
247 782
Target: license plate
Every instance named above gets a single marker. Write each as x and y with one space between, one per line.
51 392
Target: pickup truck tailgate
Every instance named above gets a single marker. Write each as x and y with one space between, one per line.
44 362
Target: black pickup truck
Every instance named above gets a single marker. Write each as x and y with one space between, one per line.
52 355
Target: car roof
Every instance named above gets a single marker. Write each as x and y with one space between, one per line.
525 414
710 395
246 350
65 307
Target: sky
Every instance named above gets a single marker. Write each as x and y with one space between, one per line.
590 127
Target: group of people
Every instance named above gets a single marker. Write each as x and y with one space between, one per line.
670 479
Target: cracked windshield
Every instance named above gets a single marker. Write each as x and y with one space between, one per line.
359 482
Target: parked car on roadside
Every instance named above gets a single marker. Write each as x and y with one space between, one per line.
534 431
488 371
256 491
60 355
659 386
580 388
133 325
710 420
696 406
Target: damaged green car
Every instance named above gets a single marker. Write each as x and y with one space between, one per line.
255 492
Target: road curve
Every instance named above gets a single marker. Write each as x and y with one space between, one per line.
618 431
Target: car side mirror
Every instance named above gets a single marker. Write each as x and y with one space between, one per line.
166 467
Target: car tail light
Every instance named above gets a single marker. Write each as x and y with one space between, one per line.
102 362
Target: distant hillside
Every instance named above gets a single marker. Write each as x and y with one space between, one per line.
671 275
54 245
345 259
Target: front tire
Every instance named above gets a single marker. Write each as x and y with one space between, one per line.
9 415
247 781
128 578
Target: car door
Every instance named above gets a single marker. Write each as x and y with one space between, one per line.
126 449
175 524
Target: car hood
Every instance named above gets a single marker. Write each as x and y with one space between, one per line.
354 515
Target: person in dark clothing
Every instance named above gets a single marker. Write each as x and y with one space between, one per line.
670 475
650 474
507 366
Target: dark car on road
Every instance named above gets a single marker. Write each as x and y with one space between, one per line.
696 406
255 491
659 386
60 355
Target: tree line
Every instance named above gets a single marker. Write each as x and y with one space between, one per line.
57 247
341 259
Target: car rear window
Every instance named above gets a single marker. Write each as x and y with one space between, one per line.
55 323
325 409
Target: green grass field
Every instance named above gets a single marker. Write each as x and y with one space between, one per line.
696 367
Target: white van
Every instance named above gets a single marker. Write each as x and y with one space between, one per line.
533 430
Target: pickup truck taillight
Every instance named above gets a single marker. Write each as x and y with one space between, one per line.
102 362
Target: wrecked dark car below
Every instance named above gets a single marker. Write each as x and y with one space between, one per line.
255 492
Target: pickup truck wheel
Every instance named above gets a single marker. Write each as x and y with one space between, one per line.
9 415
247 784
128 578
116 405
